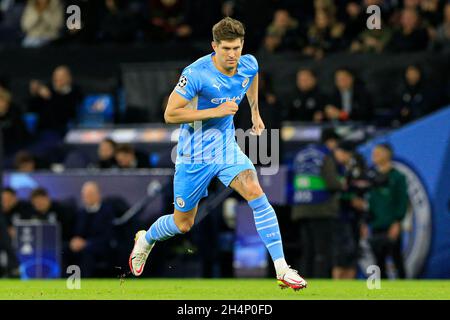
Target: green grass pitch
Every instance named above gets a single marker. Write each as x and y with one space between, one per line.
223 289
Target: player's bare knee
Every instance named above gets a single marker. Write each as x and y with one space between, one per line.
185 226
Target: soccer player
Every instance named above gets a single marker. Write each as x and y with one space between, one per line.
204 103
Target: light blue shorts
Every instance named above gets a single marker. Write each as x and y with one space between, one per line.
191 180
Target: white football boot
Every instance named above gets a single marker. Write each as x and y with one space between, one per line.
140 253
289 278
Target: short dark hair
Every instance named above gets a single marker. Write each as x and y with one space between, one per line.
309 70
125 148
347 146
39 192
228 29
346 70
110 141
386 146
329 134
23 157
9 190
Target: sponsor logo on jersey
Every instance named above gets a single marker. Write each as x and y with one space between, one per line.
245 82
225 99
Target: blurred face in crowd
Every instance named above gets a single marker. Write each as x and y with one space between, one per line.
4 101
9 200
41 203
281 19
353 9
26 166
306 81
343 80
106 150
62 78
322 20
169 3
342 156
447 13
412 75
41 4
125 159
409 19
411 4
90 194
331 144
381 156
373 2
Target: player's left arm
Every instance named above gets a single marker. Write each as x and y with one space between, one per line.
252 96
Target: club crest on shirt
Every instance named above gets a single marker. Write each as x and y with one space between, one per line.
245 82
180 202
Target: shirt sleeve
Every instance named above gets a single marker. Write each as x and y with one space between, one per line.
189 84
253 64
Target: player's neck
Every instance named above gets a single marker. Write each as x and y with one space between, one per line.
227 72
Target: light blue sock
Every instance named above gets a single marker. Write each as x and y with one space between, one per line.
162 229
266 223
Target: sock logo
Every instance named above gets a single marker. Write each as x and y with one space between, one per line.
180 202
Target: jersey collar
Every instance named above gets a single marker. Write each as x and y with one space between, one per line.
215 68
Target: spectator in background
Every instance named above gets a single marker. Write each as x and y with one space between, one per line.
56 105
94 230
106 154
431 13
42 22
117 24
46 209
283 33
317 176
350 100
324 35
168 20
15 134
128 158
24 162
10 16
411 36
372 40
442 40
355 20
14 209
387 205
306 103
414 98
12 265
347 231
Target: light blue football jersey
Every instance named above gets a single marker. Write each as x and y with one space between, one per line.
206 87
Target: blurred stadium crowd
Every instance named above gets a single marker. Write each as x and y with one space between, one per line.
309 29
314 27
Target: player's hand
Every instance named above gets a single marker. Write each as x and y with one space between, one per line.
258 125
228 108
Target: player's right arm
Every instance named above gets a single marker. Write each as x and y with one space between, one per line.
176 111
